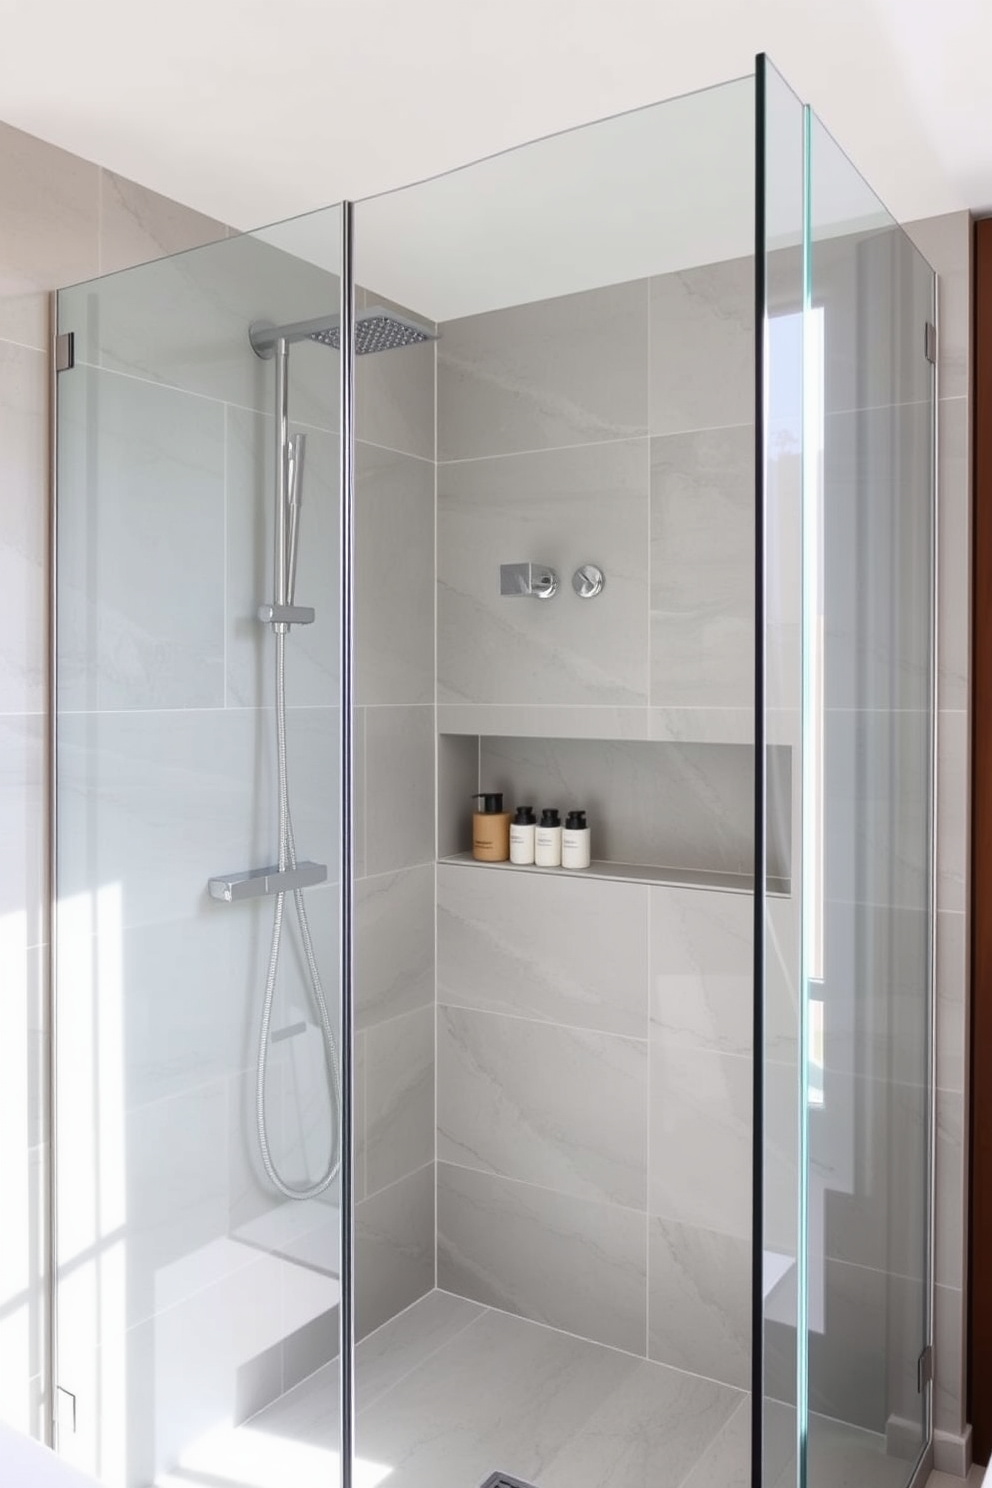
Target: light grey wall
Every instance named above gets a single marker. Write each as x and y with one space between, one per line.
63 220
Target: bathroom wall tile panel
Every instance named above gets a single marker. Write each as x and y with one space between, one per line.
700 1142
137 224
23 818
154 804
48 237
394 604
949 1359
518 1392
24 1172
702 969
156 322
953 539
311 650
394 1247
395 935
399 788
399 1099
531 720
554 1106
23 522
702 568
727 1463
250 1194
394 392
555 1259
558 372
141 546
702 347
952 983
950 1253
699 1301
309 1119
946 242
952 811
876 630
495 953
563 507
673 805
651 1429
458 780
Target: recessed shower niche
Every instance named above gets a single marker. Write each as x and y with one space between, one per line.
559 1246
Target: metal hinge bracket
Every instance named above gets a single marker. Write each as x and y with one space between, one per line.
65 351
924 1369
930 342
65 1410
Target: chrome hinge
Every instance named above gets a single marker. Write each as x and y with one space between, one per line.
65 351
65 1410
930 342
924 1369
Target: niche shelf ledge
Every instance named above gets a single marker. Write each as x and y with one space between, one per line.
685 878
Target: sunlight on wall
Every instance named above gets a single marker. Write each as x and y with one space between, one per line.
15 1230
247 1458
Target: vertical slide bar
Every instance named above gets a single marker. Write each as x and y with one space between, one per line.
280 566
760 794
347 908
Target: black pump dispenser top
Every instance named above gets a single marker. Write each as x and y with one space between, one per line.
492 801
525 817
575 821
550 817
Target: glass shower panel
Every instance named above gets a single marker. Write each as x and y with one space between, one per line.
869 499
197 1216
553 1245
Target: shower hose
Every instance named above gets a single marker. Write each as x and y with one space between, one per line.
287 859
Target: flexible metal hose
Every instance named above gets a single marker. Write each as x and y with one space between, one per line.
287 859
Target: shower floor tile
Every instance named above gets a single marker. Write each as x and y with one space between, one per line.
450 1392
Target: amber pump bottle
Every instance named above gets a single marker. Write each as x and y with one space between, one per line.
491 829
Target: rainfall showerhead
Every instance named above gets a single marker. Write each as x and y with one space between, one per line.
376 329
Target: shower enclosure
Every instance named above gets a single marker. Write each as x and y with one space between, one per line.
378 1164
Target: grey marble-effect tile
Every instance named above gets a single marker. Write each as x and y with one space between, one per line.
23 826
399 788
648 1433
950 1247
141 522
949 1334
23 526
702 569
946 242
495 954
727 1462
394 566
700 1138
311 650
706 725
562 1108
394 1248
184 321
699 1301
504 1391
702 969
953 552
670 805
250 1195
458 781
50 233
702 347
533 720
399 1097
157 803
137 224
953 810
394 965
568 1262
564 371
394 390
876 627
563 507
405 1343
952 992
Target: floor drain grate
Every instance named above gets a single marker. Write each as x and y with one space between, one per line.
503 1480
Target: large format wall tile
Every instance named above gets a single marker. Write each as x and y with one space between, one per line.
559 1107
23 825
23 521
702 971
394 1248
398 809
700 1138
495 951
394 564
137 224
702 347
699 1301
311 650
561 371
559 1260
399 1097
394 390
394 964
702 569
564 507
141 546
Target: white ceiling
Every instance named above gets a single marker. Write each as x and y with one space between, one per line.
252 110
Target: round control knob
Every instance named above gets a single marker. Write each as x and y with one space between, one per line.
588 581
